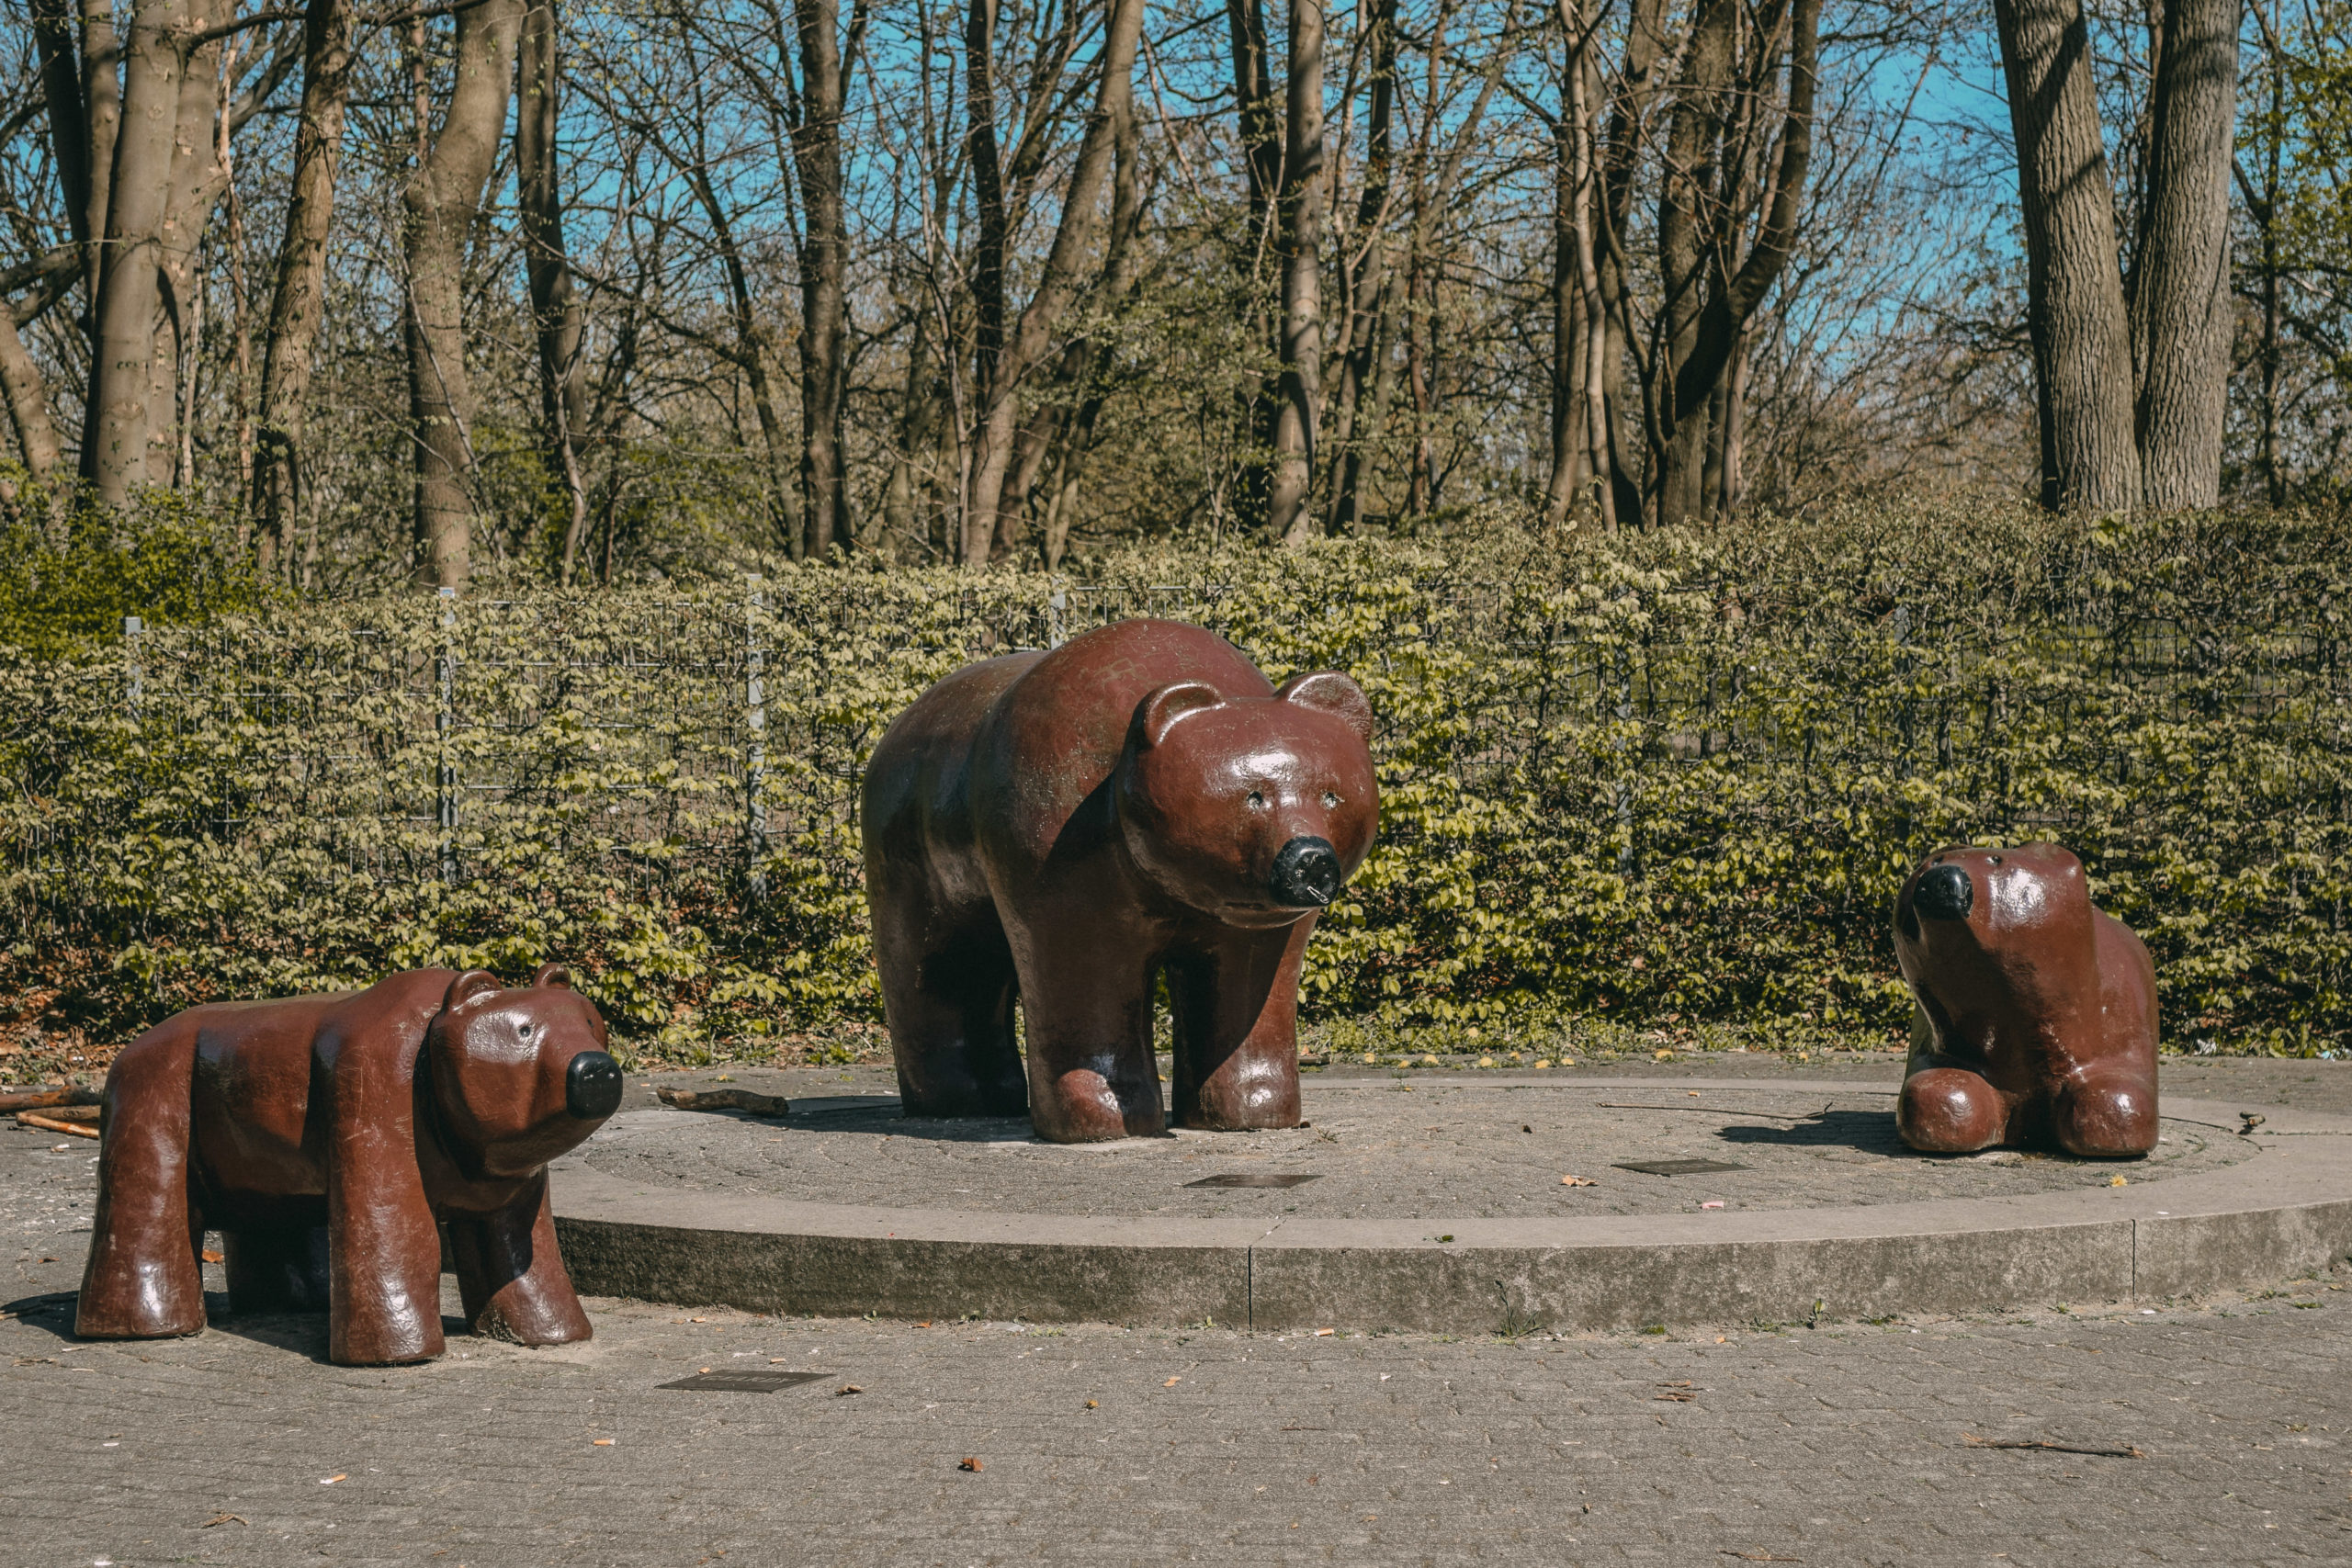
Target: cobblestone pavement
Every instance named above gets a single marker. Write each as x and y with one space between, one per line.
1394 1149
1843 1443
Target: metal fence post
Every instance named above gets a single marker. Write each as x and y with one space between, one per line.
1624 785
135 669
445 723
755 768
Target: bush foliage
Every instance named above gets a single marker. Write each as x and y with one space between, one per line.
1673 775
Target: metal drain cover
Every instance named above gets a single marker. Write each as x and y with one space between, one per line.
1252 1178
1676 1166
745 1382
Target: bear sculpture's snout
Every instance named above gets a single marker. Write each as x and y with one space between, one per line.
1945 893
1307 874
591 1085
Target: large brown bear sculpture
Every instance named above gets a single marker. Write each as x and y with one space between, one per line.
330 1138
1064 825
2036 1020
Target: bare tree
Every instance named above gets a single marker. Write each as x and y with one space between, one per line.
122 418
442 198
824 271
556 312
1024 346
1298 397
298 302
2180 286
2081 338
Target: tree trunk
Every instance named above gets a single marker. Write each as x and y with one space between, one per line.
441 200
2181 313
298 299
1056 283
555 314
2081 338
1638 84
1691 230
198 177
1366 280
28 398
122 420
69 124
824 279
1298 397
102 106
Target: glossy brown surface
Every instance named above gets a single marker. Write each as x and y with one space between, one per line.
1063 826
2036 1022
332 1140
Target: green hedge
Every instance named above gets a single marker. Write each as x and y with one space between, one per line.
1676 777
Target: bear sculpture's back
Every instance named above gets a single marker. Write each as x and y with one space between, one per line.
330 1139
1063 826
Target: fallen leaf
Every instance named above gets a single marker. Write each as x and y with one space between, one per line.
705 1369
211 1257
971 1464
848 1388
604 1442
1578 1181
221 1519
2116 1182
1090 1404
1171 1382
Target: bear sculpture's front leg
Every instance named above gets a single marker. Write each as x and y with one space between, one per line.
1236 1029
510 1275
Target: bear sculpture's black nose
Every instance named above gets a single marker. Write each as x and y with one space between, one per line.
1306 874
1945 893
591 1085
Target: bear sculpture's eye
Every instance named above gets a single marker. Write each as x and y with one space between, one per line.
1329 800
1257 800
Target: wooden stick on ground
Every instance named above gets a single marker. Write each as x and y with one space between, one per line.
41 1098
52 1124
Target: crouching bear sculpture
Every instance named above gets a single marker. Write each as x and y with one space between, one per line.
2036 1019
329 1139
1063 826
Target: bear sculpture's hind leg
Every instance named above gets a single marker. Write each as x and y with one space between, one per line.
277 1268
1091 1073
143 1279
2106 1113
948 996
510 1276
1236 1030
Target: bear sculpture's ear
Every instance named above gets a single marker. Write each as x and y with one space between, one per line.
467 986
1161 708
1335 695
553 975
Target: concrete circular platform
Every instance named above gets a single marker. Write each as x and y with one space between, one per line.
1439 1204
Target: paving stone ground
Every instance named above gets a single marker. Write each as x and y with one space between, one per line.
1844 1443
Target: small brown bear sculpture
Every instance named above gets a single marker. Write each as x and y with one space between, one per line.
330 1138
1065 826
2036 1017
